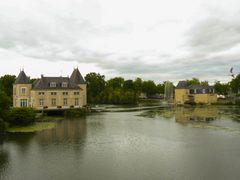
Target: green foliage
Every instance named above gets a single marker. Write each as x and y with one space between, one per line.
235 84
21 116
161 88
75 112
149 87
6 84
96 85
2 126
138 85
115 83
193 81
117 90
222 88
204 83
4 104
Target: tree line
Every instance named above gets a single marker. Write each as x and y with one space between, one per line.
117 90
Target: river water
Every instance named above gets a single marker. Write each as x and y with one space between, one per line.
156 143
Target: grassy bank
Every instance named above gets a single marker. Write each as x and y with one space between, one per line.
42 123
38 126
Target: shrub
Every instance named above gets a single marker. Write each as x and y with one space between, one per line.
21 116
75 112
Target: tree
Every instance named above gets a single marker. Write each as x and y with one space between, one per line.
149 87
161 88
138 85
115 83
4 104
193 81
221 88
6 84
204 83
235 84
96 85
128 85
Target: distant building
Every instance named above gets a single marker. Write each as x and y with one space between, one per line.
50 92
194 94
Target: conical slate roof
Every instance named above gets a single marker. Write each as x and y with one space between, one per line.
22 78
76 77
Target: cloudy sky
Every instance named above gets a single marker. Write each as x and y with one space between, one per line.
152 39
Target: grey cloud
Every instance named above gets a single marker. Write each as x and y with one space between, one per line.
65 37
215 34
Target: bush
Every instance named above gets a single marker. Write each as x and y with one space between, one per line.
21 116
77 112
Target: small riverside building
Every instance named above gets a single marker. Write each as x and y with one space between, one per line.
194 94
50 92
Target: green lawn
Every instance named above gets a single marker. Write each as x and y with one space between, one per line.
39 126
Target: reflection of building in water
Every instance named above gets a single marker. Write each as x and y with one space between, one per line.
70 130
185 115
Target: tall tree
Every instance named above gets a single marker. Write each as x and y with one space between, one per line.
138 85
235 84
193 81
149 87
6 84
221 88
115 83
96 85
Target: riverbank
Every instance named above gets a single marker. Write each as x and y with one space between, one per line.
43 123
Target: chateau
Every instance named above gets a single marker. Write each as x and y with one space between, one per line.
194 93
50 92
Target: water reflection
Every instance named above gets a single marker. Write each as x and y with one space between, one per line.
4 159
198 114
71 131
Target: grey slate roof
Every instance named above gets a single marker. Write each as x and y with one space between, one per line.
76 77
44 83
22 78
182 85
200 87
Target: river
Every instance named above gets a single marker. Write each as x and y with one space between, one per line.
156 143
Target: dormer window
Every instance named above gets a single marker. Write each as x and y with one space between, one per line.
64 84
53 84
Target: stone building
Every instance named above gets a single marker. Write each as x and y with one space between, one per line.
50 92
194 94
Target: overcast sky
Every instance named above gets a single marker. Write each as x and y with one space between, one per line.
152 39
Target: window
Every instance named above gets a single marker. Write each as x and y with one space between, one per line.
53 93
23 90
53 84
76 102
191 91
65 101
76 93
53 102
204 91
40 93
65 93
41 102
64 84
23 102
